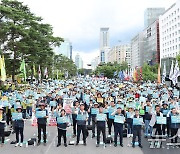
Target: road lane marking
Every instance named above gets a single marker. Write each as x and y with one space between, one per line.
50 145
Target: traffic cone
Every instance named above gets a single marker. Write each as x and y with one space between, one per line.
52 122
34 121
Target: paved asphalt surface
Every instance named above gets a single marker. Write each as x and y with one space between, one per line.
91 148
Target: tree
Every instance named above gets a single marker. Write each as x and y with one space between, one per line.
64 64
108 69
149 72
24 36
178 59
14 17
40 41
123 66
81 71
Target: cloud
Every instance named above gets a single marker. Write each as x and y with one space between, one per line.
80 20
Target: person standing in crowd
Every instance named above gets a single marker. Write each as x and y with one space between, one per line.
129 120
174 126
82 117
62 128
2 125
147 118
111 109
19 127
106 110
118 126
42 124
173 104
165 111
136 130
100 99
59 108
93 111
141 109
7 110
75 110
153 120
24 106
101 126
29 104
89 112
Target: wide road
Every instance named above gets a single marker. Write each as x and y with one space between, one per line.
91 148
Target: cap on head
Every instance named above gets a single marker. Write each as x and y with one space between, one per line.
19 107
96 103
41 104
81 104
164 104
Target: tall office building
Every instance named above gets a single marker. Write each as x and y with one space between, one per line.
78 61
151 53
104 37
120 53
137 51
104 43
151 15
112 54
65 49
169 24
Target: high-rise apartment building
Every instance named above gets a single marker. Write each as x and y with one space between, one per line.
169 24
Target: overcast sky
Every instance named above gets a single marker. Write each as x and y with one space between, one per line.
80 20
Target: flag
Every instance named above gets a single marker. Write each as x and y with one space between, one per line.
135 75
23 69
34 70
46 73
164 73
140 74
3 69
57 74
176 73
115 73
66 74
0 62
39 73
126 76
159 75
171 71
121 75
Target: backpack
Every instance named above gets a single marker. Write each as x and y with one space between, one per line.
7 133
109 140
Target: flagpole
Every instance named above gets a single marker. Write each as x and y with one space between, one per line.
164 73
57 74
23 69
39 74
159 75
